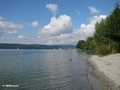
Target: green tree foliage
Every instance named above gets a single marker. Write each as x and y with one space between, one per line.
89 43
81 44
107 33
106 38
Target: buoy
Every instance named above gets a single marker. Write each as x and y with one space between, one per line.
84 59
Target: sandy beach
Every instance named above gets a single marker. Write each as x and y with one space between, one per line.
107 68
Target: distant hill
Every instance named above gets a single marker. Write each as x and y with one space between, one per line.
34 46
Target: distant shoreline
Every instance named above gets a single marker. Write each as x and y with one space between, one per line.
108 69
34 46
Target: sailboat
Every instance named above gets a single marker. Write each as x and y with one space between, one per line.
53 50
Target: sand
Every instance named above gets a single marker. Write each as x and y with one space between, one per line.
108 68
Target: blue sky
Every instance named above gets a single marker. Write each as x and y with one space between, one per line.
50 21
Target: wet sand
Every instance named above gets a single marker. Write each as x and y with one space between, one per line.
107 70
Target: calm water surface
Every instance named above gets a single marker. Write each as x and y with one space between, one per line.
43 69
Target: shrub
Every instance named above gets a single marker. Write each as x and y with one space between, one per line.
102 50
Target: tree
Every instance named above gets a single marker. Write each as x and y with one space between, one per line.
113 24
107 33
89 43
81 44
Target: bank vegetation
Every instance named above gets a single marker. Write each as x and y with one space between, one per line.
106 38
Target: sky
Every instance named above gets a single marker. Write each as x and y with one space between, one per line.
51 22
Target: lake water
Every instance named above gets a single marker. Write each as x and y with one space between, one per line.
43 70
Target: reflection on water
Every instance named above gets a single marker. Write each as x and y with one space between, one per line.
44 69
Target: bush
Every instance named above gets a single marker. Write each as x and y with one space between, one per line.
102 50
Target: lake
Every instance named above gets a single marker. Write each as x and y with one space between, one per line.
44 70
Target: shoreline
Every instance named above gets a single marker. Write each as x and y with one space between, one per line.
107 70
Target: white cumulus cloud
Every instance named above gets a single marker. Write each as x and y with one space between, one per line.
22 37
1 33
2 38
34 24
1 18
57 26
10 27
93 10
53 8
88 29
73 36
77 12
